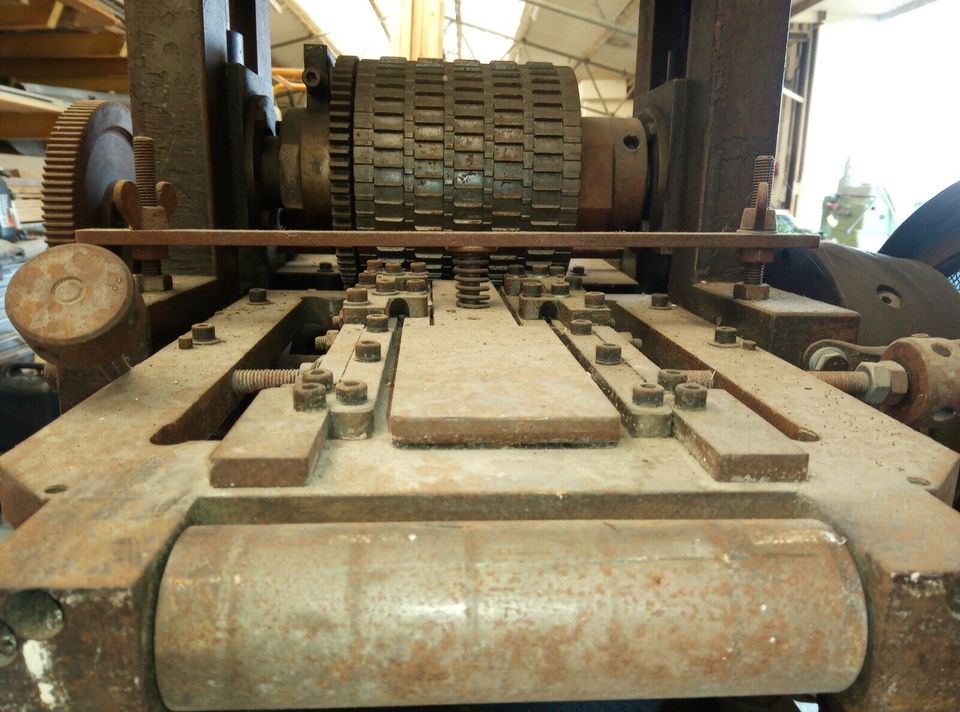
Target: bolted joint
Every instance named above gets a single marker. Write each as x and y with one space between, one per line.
531 288
828 358
323 343
888 382
648 395
560 289
357 295
581 327
309 397
608 354
540 268
594 300
386 285
204 335
320 376
376 323
367 351
416 285
367 279
725 336
752 292
351 392
690 396
418 268
670 378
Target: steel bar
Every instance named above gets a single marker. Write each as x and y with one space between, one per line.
431 613
590 19
443 238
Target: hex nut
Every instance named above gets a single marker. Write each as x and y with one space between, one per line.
748 345
659 301
828 358
515 270
725 335
557 270
8 646
888 382
560 289
394 267
690 396
185 342
608 354
33 615
540 268
367 279
531 288
351 392
418 267
581 327
323 376
376 323
258 295
670 378
416 285
323 343
309 396
751 292
203 334
386 285
357 295
648 395
367 351
374 265
576 282
594 300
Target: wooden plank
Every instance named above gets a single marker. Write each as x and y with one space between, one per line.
716 436
523 387
26 126
61 44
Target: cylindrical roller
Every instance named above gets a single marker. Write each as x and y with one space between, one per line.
78 306
615 167
350 615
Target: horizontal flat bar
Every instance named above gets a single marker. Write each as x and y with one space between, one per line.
442 238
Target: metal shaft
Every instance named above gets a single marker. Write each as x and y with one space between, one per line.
356 615
253 380
853 382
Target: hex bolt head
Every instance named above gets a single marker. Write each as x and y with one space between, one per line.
367 351
531 288
594 300
659 301
203 333
516 270
608 354
8 646
540 268
367 279
376 323
557 270
690 396
648 395
309 396
258 295
418 267
321 376
579 270
581 327
670 378
394 267
33 615
357 295
386 285
374 265
417 285
185 342
725 335
352 392
560 289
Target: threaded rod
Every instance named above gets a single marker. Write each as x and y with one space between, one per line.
853 382
753 273
763 170
145 170
256 379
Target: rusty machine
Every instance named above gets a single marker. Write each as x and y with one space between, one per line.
450 466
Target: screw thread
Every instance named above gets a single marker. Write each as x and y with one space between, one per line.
256 379
753 273
853 382
763 169
471 272
145 170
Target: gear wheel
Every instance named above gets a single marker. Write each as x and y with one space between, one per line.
341 161
90 148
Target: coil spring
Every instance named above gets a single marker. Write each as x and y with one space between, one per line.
471 271
753 273
254 380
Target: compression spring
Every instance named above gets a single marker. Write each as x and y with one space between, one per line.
471 271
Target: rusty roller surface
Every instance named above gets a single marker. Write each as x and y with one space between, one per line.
332 615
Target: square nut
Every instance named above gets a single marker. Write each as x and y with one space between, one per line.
751 292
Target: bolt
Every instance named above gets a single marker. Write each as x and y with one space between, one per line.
690 396
417 285
578 270
376 323
8 645
418 267
309 396
386 285
367 351
185 342
560 289
828 358
649 395
659 301
320 376
748 345
670 378
33 614
252 380
203 333
145 170
257 295
352 392
367 279
608 354
594 300
357 295
531 288
763 170
581 327
753 273
724 335
557 270
540 268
